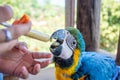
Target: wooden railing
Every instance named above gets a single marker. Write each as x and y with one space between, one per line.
69 13
118 52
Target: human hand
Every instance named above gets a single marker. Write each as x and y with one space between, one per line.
20 29
20 62
16 30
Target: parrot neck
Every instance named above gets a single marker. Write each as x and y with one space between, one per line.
72 69
76 59
63 63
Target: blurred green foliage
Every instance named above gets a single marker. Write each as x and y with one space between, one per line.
47 18
110 24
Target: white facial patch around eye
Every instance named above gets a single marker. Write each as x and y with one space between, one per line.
71 42
66 51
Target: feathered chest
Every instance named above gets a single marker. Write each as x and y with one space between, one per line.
62 74
67 72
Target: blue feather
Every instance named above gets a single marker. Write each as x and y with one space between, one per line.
97 66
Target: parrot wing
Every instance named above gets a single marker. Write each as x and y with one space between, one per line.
97 66
117 74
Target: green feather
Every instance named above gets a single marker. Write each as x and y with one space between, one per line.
78 36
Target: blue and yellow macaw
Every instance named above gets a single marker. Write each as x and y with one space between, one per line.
72 62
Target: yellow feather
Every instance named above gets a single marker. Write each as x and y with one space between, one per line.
68 71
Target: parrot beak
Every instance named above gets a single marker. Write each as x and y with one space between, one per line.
59 34
56 47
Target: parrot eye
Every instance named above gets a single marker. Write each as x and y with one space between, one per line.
67 32
74 43
71 42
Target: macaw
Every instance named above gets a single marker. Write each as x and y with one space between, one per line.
72 62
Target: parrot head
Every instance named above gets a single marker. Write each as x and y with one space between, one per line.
66 41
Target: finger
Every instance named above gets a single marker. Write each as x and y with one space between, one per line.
21 29
24 73
24 26
7 46
6 13
36 69
30 69
43 64
22 46
9 11
37 55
